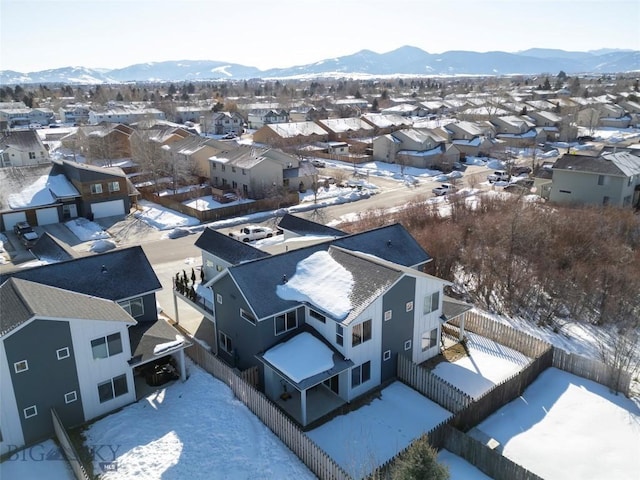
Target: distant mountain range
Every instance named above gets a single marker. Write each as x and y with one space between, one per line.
402 61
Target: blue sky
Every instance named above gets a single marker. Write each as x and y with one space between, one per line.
42 34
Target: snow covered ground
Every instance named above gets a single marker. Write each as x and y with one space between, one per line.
362 440
86 230
193 430
488 364
459 468
42 461
565 426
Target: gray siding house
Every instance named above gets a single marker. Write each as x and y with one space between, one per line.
324 323
78 336
609 179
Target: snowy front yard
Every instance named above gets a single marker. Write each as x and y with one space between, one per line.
193 430
565 426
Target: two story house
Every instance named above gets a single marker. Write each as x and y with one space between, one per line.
415 148
219 123
256 118
325 323
76 336
608 179
21 148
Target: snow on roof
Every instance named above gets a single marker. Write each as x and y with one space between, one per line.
44 191
301 357
321 281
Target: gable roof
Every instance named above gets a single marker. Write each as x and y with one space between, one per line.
51 249
621 164
83 172
23 140
22 300
127 273
227 248
302 226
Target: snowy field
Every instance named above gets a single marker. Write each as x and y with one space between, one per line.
193 430
487 364
362 440
565 426
38 462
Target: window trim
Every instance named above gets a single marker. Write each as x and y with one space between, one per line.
111 382
339 334
20 370
386 355
126 304
35 411
110 186
96 188
62 356
407 345
429 298
223 339
285 318
388 315
317 315
105 340
67 397
219 298
361 369
361 332
248 316
409 306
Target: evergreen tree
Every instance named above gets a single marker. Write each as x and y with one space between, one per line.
546 85
419 462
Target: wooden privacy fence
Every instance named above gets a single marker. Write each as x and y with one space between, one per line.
431 386
505 335
291 435
487 460
614 378
67 447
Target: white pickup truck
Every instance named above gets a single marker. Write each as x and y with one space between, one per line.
498 176
252 232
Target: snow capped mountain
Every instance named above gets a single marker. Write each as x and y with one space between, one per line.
405 60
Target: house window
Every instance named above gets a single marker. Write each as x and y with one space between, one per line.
223 168
285 322
247 316
360 374
31 411
407 345
134 307
213 166
409 306
233 169
219 298
361 333
108 346
113 388
21 366
234 185
605 201
387 315
245 190
386 355
317 316
225 342
32 155
63 353
114 186
339 334
566 191
431 302
96 188
601 179
244 172
70 397
429 339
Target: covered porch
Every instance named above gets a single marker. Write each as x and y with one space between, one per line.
157 355
452 327
305 377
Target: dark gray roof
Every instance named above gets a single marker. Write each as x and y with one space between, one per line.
392 243
24 140
227 248
83 172
21 300
258 279
452 308
145 336
611 164
127 273
51 249
303 226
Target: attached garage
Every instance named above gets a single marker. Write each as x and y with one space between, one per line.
108 209
10 219
47 216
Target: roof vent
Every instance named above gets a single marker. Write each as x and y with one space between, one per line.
284 279
388 243
103 269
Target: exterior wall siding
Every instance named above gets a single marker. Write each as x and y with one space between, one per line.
583 188
47 379
92 371
9 413
397 330
426 322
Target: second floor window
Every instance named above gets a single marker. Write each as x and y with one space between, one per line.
96 188
361 333
286 322
32 155
432 302
108 346
114 186
134 307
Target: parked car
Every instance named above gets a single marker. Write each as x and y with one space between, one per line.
444 189
318 163
25 234
498 176
229 136
252 232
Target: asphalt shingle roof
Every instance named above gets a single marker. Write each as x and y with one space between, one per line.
127 273
302 226
227 248
21 300
621 163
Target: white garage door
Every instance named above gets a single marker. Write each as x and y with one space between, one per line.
10 219
47 216
108 209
